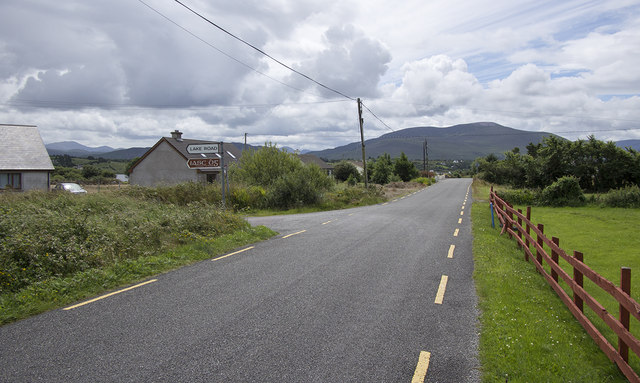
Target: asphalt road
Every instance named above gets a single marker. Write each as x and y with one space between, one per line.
372 294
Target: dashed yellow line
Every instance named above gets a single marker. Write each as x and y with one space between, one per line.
234 253
455 233
421 367
110 294
441 289
462 212
292 234
324 223
451 249
459 220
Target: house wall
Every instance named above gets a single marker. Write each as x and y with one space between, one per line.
163 166
35 180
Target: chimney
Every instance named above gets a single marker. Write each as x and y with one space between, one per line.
177 135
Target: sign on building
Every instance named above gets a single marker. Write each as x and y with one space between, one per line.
208 148
203 163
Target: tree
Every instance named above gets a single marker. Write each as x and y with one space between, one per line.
287 181
344 170
382 169
404 168
90 171
264 166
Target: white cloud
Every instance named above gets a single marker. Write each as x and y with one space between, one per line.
117 73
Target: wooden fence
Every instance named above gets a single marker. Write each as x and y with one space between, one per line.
518 225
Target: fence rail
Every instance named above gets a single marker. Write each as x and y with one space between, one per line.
518 225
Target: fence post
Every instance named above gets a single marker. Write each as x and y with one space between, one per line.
510 214
493 223
554 257
526 255
540 242
625 285
577 277
519 224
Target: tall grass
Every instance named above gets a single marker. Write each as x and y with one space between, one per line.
49 238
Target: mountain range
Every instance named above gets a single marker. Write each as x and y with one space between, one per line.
458 142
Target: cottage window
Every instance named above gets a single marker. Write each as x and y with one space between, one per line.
10 181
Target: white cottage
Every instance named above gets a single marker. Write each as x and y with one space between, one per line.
166 163
24 160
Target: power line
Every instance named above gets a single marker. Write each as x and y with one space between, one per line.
262 52
378 118
68 104
220 50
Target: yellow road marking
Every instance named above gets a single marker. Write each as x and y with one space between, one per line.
451 249
350 214
455 233
422 367
324 223
462 212
110 294
459 220
292 234
386 203
441 289
234 253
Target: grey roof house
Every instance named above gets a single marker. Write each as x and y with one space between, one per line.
169 162
313 159
24 160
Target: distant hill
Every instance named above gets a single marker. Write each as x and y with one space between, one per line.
459 142
75 149
125 154
635 144
72 146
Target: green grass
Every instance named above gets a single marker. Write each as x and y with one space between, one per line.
527 333
609 238
58 292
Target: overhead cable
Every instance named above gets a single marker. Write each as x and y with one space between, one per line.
378 118
220 50
263 52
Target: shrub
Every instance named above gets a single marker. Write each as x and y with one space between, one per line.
55 235
521 196
252 197
424 180
303 186
624 197
564 192
345 170
348 196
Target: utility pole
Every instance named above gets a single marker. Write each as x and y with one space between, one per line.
245 142
425 155
364 159
223 181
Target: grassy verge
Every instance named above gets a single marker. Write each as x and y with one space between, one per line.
527 334
58 292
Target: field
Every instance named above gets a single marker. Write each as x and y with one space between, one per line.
527 333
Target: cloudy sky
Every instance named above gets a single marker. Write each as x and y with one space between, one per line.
124 73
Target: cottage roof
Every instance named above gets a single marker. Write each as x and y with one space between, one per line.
21 148
313 159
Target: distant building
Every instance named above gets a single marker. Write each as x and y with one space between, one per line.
24 161
313 159
166 163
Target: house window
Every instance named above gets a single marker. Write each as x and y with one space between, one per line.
10 181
